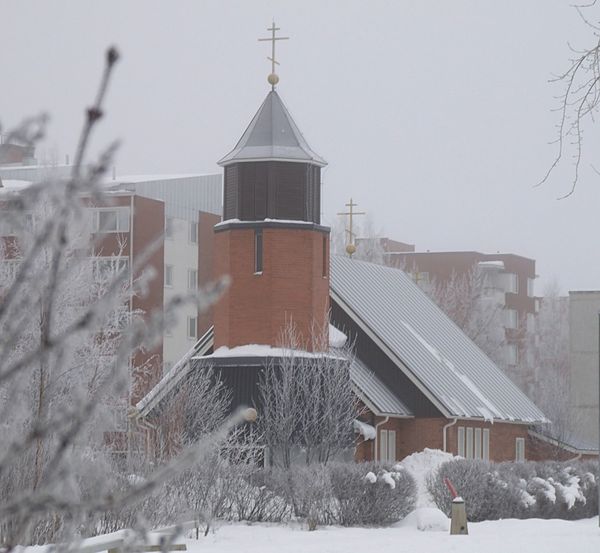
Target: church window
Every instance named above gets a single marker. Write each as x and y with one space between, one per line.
469 448
324 261
486 444
387 445
461 441
258 251
477 452
520 449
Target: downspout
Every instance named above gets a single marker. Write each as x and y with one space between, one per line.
376 456
445 441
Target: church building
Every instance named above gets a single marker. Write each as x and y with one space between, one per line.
423 382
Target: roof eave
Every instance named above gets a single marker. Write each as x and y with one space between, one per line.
224 162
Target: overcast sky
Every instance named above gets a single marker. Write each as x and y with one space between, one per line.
434 116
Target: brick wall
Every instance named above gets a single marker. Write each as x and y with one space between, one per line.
206 260
291 288
416 434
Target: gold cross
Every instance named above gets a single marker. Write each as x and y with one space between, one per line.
273 79
351 248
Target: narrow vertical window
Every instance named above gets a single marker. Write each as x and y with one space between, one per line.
469 452
486 444
192 328
383 445
193 232
324 261
520 449
169 275
258 251
391 445
192 279
461 441
477 443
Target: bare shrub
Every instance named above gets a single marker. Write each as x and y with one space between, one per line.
370 494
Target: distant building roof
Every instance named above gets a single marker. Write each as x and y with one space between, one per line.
272 136
426 345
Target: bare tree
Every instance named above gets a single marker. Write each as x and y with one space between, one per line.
65 353
549 352
462 297
307 404
579 98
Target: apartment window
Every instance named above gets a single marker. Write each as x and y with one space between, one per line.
111 220
512 354
486 444
194 232
192 279
520 449
530 287
469 448
510 318
387 445
512 283
258 251
169 228
169 275
192 325
530 323
107 268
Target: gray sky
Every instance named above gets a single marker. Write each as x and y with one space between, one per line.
434 116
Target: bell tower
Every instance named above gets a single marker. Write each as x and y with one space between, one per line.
271 241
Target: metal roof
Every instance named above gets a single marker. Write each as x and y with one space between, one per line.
272 135
175 375
426 345
374 393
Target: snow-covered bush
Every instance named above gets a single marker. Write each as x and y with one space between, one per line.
371 493
487 496
518 490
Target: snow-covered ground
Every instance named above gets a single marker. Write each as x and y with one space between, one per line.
501 536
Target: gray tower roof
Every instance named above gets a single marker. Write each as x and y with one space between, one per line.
272 136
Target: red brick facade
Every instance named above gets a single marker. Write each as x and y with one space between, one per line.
293 286
416 434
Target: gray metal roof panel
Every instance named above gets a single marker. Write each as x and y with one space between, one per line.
375 392
272 135
442 361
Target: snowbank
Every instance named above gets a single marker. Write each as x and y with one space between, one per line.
419 465
426 519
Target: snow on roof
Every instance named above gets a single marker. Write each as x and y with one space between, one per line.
251 223
491 265
258 350
426 345
337 338
367 431
15 184
124 179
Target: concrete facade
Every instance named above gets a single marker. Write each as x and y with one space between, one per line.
584 388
